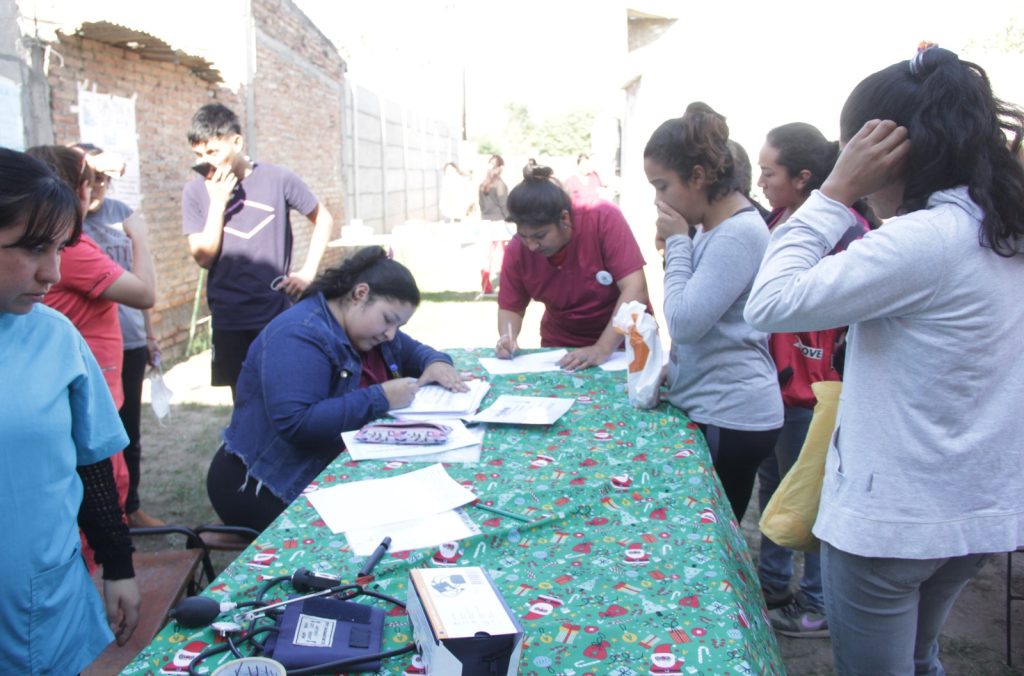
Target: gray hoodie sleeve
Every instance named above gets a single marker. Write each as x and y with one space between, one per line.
892 271
697 296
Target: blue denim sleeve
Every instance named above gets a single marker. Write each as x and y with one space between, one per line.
307 401
413 356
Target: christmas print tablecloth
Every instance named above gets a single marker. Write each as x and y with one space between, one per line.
643 570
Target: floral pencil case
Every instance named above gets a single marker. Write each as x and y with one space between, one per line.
404 432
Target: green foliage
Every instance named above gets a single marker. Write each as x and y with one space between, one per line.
559 135
566 134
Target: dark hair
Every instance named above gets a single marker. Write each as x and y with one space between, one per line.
744 177
68 163
493 174
87 148
385 277
31 193
581 157
214 120
801 146
698 138
956 129
539 200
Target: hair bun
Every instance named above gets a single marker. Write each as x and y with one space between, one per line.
929 57
537 172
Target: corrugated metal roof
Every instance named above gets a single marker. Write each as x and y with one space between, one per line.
147 46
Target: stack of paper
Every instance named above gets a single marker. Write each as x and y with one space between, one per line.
463 445
416 509
516 410
433 402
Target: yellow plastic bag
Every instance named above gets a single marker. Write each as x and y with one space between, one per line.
789 516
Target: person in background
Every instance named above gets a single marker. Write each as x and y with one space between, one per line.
745 177
456 203
59 423
105 224
236 217
332 363
719 373
581 261
92 285
494 192
585 186
794 161
924 476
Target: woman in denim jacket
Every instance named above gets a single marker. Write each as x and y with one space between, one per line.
330 364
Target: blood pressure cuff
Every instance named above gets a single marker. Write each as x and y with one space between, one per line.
321 630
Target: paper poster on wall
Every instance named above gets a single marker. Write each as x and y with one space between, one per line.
108 121
11 126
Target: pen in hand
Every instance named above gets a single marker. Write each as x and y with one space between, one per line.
375 558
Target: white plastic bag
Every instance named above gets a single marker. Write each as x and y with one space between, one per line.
159 394
643 351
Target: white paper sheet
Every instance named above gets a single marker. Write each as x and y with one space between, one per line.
516 410
534 362
362 504
436 400
617 362
428 531
467 455
459 437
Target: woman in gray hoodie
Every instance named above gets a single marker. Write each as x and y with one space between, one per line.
925 472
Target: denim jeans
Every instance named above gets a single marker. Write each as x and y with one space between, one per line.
775 563
885 615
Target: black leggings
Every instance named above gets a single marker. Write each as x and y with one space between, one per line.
736 455
233 494
133 372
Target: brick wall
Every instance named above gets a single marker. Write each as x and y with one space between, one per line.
297 101
167 96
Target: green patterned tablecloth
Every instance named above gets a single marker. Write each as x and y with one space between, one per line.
643 572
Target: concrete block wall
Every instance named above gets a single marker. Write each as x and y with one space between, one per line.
393 160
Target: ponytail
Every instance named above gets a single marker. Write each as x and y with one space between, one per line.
370 266
958 136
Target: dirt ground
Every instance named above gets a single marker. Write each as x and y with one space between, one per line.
176 455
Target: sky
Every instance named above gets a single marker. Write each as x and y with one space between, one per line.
558 55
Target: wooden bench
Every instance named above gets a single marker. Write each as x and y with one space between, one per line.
164 578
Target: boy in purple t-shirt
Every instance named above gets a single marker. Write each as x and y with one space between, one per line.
238 227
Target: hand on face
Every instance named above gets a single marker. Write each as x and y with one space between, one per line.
220 185
445 375
873 159
670 222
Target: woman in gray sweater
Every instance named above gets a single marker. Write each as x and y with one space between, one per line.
925 472
719 373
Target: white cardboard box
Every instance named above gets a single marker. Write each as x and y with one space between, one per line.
461 624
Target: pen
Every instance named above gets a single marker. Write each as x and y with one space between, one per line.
502 512
375 558
511 352
395 373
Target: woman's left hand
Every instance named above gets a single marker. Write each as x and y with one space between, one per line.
445 375
584 358
670 222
